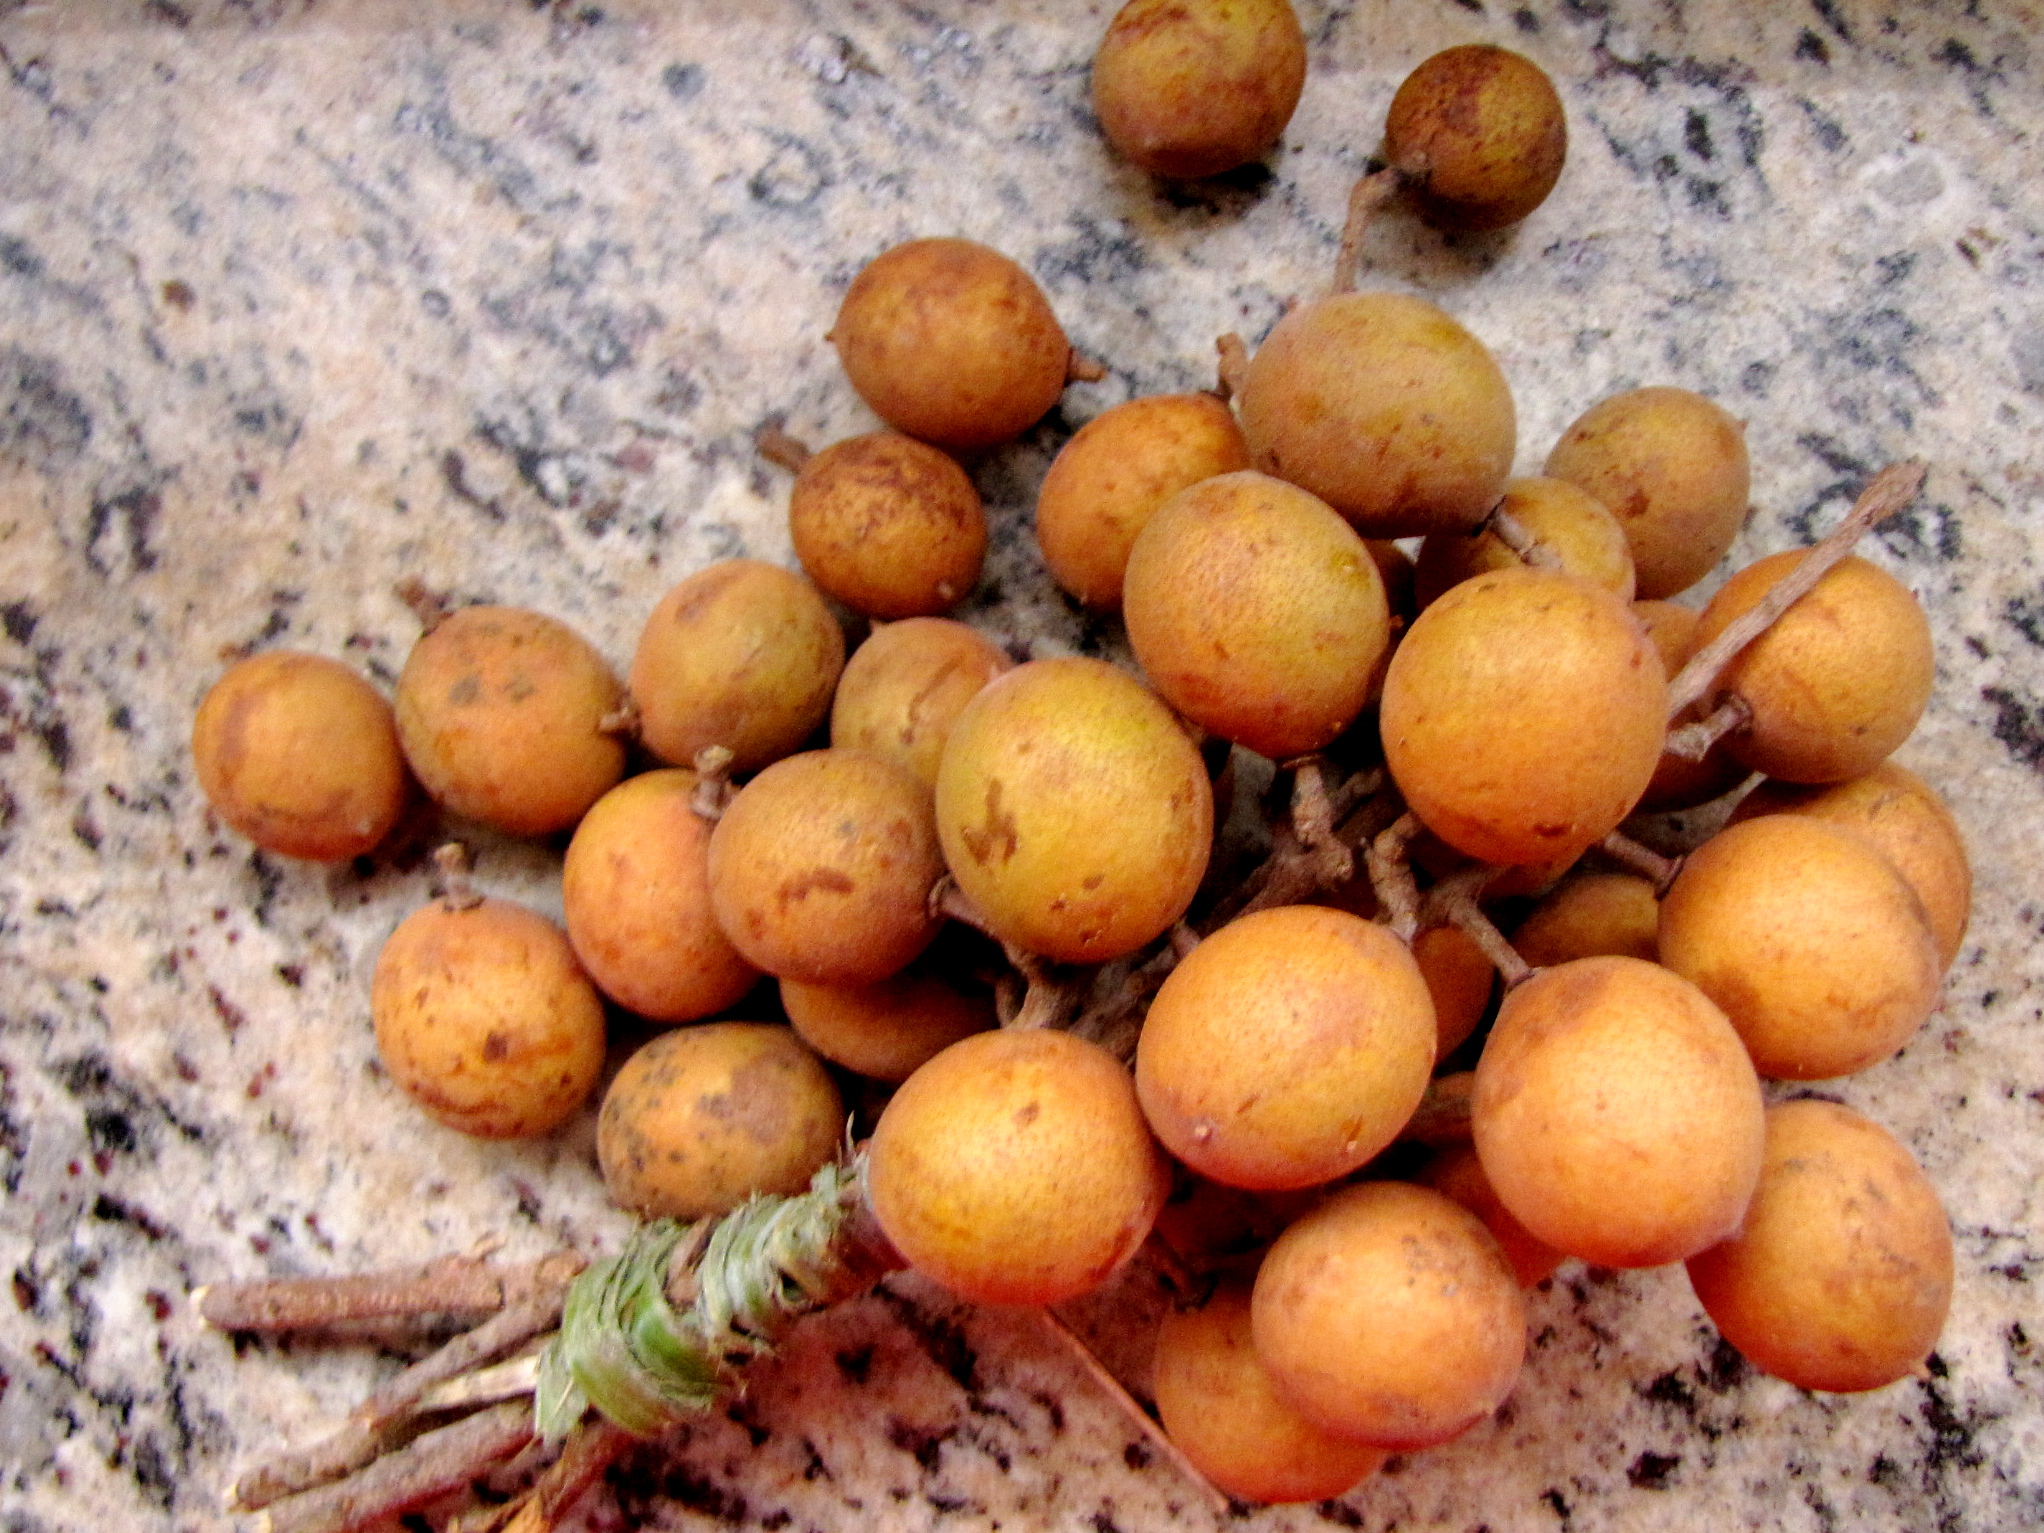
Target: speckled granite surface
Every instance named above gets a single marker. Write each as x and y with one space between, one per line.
297 299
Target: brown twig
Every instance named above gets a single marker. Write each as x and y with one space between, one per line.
360 1439
1644 860
452 1285
1369 194
430 1467
1692 742
1132 1408
588 1456
773 441
1453 902
1391 875
1232 367
713 791
1890 490
1442 1117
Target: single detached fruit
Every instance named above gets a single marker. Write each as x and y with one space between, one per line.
1015 1168
300 755
485 1019
1189 88
952 343
890 526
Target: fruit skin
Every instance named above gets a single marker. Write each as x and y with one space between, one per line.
887 1031
1114 473
1286 1049
485 1019
742 654
904 687
1389 1315
1617 1114
1904 819
1841 1276
1217 1405
1812 942
1074 811
702 1118
1481 134
1523 715
890 526
952 343
1385 408
1015 1168
1570 524
1256 612
300 755
821 868
1671 465
1192 88
500 711
1837 682
635 891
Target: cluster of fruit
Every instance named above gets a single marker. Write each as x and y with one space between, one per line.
1478 721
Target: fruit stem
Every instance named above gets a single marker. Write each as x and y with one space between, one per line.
430 607
1888 492
1232 367
1692 742
713 791
1083 369
1391 875
1313 822
777 445
1644 860
1369 194
1516 536
1453 902
453 864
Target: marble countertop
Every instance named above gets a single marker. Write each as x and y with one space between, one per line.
299 298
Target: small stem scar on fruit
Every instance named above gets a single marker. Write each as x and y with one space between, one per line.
1888 492
1232 366
713 791
454 865
1515 535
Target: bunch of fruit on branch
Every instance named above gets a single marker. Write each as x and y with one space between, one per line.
1344 960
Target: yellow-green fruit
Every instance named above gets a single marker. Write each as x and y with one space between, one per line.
1480 133
1523 715
1075 812
1110 478
1840 1277
1388 1315
1904 819
635 892
904 687
1617 1114
300 755
1257 613
888 525
1287 1048
500 711
702 1118
485 1019
1015 1168
1837 682
1218 1407
1190 88
1672 467
1812 942
741 654
1386 409
952 343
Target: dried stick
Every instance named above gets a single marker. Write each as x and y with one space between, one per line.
360 1439
1890 490
1692 742
400 1482
451 1285
1391 875
1644 860
589 1454
775 444
1132 1408
1364 199
1454 901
